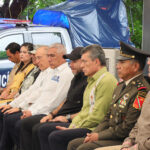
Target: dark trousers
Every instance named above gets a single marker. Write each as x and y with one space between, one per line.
53 139
9 134
28 140
45 129
1 123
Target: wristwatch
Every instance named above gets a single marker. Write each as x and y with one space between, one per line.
68 117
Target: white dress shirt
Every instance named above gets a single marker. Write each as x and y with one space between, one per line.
50 93
34 90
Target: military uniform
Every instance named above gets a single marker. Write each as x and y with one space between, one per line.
139 137
123 114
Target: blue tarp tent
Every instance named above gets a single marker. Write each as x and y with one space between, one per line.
101 22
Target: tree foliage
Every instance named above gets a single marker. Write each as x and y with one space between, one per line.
34 5
134 11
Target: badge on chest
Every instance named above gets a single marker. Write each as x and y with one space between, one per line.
55 78
123 100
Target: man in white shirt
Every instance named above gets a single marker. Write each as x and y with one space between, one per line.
44 97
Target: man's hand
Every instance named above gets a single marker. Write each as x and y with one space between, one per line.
91 137
46 118
60 119
61 128
135 147
12 95
26 113
4 107
12 110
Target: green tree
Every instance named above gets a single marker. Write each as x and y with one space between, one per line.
134 12
3 55
34 5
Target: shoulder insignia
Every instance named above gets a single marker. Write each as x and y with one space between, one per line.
138 102
139 85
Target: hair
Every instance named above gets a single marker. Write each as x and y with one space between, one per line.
60 47
45 48
28 45
21 67
141 61
96 51
13 47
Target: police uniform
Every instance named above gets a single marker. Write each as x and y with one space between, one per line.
123 113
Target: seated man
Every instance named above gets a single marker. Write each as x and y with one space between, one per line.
139 137
72 105
96 102
44 98
12 51
126 106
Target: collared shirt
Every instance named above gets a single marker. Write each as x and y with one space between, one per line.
128 81
103 96
34 91
55 90
52 91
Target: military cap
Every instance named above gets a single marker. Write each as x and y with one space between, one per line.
75 54
129 52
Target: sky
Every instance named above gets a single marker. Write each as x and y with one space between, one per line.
1 3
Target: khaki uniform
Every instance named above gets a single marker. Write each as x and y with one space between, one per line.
118 147
123 114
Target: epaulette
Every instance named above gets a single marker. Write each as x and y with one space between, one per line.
139 85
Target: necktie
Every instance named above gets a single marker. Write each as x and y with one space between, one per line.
123 87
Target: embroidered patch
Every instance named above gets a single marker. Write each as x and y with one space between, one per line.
55 78
138 102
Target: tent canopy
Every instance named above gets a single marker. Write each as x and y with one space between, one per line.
101 22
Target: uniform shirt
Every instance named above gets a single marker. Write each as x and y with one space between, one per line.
74 101
140 134
93 112
124 111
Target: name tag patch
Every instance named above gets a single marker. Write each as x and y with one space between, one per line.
55 78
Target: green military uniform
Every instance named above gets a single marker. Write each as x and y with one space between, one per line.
123 114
